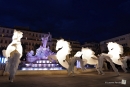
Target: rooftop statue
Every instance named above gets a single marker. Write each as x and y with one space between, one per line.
45 40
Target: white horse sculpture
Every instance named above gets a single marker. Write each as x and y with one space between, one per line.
16 39
89 58
115 50
63 52
14 45
105 57
61 56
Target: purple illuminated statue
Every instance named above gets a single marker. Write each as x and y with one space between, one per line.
42 52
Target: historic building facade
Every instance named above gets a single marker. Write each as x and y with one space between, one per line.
30 39
76 46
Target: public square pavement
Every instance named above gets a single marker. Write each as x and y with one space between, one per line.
85 79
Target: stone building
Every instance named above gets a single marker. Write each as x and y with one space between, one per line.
30 40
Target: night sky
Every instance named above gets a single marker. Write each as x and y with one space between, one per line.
82 20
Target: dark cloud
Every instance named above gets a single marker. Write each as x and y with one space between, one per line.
83 20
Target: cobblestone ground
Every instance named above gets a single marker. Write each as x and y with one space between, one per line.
90 79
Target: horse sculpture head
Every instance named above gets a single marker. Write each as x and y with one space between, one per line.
59 44
114 52
115 48
64 45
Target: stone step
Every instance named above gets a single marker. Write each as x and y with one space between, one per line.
41 65
43 61
41 68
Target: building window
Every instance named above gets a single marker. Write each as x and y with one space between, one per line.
7 31
117 40
125 44
122 38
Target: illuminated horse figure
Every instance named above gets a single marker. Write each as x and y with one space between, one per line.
115 50
13 53
105 57
89 58
16 39
64 49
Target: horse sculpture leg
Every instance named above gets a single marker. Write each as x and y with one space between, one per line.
71 66
105 66
100 65
124 69
113 66
98 69
69 69
124 65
